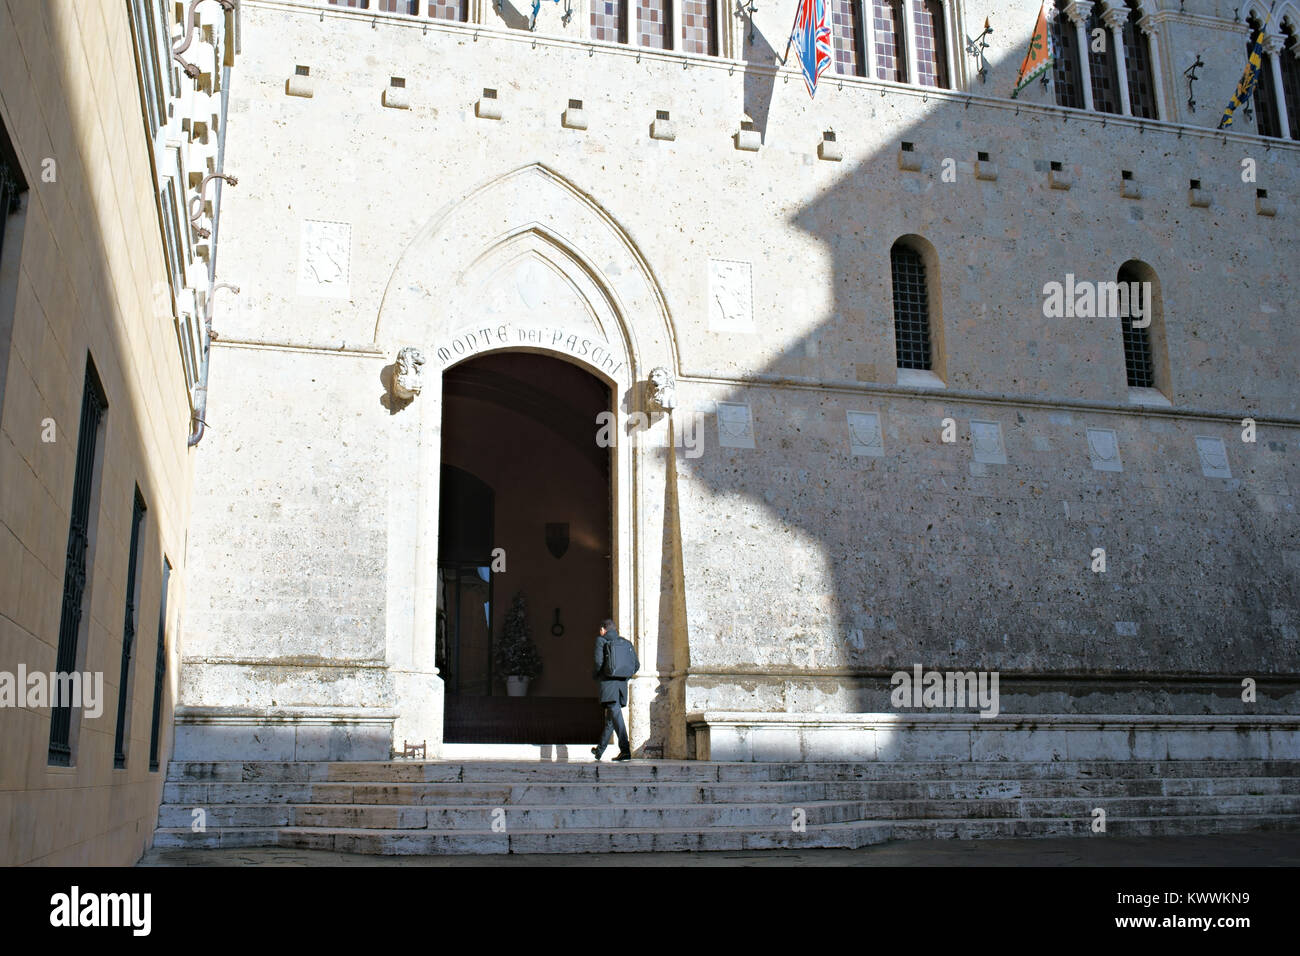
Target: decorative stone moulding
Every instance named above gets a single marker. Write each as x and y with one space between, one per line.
1128 187
1057 177
488 106
395 96
1197 196
300 84
748 138
908 158
407 377
1263 205
662 127
829 149
575 117
985 168
661 390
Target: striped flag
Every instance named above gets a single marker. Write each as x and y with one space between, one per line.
1040 55
812 41
1246 85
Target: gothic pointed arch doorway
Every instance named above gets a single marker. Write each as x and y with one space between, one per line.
524 532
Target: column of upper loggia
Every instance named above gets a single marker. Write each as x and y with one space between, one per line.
912 73
1079 11
1274 44
1152 30
952 33
1115 16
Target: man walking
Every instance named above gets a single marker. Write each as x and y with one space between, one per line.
613 694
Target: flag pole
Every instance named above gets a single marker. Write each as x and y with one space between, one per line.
790 38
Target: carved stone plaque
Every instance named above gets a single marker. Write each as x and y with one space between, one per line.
1103 449
731 296
1214 457
325 259
986 442
735 425
865 437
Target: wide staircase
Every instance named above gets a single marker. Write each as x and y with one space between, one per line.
485 806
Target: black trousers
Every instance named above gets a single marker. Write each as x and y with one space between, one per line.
613 722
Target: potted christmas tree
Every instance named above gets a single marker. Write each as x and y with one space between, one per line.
515 656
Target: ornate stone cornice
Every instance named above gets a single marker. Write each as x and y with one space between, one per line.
1148 25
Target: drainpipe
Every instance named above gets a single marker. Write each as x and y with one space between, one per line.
201 390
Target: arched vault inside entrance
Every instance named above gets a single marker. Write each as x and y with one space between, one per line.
522 478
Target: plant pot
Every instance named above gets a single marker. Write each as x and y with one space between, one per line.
517 686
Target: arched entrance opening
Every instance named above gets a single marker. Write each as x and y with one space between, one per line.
524 512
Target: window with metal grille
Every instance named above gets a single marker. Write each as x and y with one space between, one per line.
124 683
1101 63
1137 63
891 58
911 308
159 670
699 28
93 406
1291 78
1067 81
1266 119
931 48
1138 364
846 33
609 20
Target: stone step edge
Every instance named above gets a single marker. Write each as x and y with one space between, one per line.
577 831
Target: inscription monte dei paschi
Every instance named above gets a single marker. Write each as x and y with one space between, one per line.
595 351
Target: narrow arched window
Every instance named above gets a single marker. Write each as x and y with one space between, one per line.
1067 80
1101 64
891 45
931 44
846 31
1137 63
1266 121
911 308
1291 77
1139 361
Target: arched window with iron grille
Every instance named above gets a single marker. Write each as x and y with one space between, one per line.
1139 358
912 336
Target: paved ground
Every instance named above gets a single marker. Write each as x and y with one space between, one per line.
1260 848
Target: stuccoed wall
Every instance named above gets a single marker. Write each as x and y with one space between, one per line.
806 573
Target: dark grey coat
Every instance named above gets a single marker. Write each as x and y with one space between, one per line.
611 690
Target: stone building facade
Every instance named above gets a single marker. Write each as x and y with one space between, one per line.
108 248
884 448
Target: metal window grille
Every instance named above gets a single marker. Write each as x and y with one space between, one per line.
1066 80
128 633
911 309
93 405
1138 364
1141 81
159 671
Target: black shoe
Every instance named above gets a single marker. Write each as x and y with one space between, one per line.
622 756
596 752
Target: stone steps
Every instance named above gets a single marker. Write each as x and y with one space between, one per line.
701 772
452 807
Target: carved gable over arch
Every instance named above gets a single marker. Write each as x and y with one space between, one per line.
528 250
